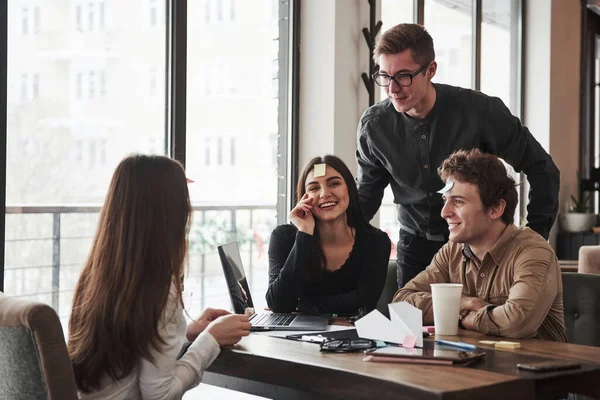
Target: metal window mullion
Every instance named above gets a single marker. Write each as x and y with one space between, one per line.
288 106
176 77
56 217
294 89
3 107
516 58
518 80
476 42
419 12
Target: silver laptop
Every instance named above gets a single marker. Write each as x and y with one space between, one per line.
241 299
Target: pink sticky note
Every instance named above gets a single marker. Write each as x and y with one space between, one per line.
429 329
409 341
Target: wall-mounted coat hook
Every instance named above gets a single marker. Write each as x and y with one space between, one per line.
370 34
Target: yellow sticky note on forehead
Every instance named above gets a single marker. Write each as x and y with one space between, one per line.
319 170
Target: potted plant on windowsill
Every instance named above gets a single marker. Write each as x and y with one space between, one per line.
580 217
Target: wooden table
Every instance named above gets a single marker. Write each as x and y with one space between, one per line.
284 369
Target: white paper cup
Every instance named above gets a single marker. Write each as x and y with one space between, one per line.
446 306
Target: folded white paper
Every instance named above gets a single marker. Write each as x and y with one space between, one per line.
406 320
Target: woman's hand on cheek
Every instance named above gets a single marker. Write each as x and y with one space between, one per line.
301 215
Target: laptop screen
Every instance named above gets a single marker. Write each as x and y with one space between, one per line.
237 284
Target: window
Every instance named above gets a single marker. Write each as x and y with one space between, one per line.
392 12
590 103
219 151
91 10
102 83
91 84
79 85
219 10
36 86
232 151
24 21
23 87
64 151
101 15
232 5
229 124
78 12
207 151
36 20
207 11
94 18
153 81
500 53
450 24
153 13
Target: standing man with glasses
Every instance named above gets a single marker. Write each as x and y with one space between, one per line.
403 139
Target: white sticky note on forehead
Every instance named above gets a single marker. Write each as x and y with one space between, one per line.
319 170
448 186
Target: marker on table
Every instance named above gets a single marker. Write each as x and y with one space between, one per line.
460 345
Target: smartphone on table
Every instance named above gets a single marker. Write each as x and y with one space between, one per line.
548 366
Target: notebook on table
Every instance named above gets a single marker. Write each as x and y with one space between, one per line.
241 298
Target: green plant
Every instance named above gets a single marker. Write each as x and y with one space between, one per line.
582 203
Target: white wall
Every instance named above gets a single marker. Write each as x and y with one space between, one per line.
332 95
552 60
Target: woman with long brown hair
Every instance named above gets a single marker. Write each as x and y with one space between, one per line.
331 260
127 325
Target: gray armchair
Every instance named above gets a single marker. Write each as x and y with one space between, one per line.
589 260
389 289
581 298
34 362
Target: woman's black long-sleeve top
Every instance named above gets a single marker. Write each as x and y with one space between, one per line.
357 284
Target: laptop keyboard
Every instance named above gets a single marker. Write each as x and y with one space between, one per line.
272 319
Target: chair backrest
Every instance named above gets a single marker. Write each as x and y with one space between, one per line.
389 289
34 362
581 298
589 260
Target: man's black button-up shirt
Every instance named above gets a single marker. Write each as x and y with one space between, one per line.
405 153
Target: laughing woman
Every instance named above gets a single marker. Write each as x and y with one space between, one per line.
331 260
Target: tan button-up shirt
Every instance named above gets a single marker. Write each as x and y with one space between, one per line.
519 276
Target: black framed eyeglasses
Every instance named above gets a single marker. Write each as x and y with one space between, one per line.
403 80
347 345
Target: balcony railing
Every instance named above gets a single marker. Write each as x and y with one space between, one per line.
29 238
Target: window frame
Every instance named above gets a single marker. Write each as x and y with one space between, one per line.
590 174
175 95
3 130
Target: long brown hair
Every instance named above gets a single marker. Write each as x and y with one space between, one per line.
137 254
354 215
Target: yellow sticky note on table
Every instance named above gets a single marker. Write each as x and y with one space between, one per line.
507 345
319 170
488 342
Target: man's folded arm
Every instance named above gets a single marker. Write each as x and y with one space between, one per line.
530 298
418 291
